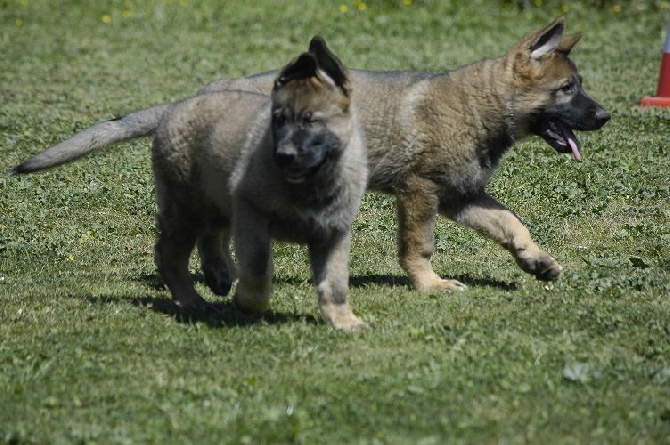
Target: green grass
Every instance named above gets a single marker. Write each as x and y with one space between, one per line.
92 350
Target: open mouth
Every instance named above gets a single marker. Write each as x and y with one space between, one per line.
294 176
300 171
559 136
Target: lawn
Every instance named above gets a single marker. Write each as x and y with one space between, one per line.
92 349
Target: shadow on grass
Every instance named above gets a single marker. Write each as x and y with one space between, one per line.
225 313
154 281
219 314
214 314
384 280
358 281
471 281
398 280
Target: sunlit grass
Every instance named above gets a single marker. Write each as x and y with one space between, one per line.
93 350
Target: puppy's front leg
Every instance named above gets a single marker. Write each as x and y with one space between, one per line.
492 219
252 248
330 268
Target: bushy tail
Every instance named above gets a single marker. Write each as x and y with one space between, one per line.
105 134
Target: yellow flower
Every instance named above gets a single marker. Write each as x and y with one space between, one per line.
106 19
362 6
407 2
616 8
343 8
19 21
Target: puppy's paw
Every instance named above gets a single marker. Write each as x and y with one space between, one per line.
549 270
252 305
544 268
341 317
201 310
451 285
219 281
437 284
252 295
351 323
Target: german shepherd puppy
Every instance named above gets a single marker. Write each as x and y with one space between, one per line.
434 141
290 167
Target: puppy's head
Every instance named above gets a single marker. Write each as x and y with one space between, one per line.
311 118
549 96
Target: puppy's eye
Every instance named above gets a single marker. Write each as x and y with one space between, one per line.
569 88
279 117
311 119
307 118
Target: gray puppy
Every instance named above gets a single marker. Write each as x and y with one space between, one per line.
290 167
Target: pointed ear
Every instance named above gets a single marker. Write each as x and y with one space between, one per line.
568 42
330 64
546 40
302 67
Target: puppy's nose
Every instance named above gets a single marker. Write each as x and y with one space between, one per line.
602 116
285 156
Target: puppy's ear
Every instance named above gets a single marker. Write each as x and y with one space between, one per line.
568 42
302 67
547 39
538 44
330 64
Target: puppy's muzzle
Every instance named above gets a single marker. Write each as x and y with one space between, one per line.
285 155
601 117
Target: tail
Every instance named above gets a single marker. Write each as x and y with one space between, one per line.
102 135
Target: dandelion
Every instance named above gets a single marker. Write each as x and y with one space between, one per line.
407 2
361 6
616 8
343 8
106 19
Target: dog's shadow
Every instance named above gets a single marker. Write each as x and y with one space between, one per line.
225 313
218 314
396 280
155 282
359 281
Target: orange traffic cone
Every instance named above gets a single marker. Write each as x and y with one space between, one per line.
662 98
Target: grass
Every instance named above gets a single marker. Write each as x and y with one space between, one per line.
94 351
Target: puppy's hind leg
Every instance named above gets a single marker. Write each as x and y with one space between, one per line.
215 260
172 252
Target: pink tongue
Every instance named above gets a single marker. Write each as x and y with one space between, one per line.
575 150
